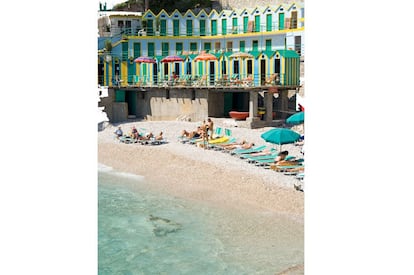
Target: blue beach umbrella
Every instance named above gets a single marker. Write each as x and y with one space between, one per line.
297 118
280 136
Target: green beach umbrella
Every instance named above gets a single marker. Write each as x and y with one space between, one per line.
280 136
297 118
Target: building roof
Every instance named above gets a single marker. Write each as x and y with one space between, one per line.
288 53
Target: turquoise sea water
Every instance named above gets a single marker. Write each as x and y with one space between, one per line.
143 231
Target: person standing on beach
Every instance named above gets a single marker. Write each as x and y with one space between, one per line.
210 127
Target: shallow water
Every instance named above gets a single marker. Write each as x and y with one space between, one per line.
141 231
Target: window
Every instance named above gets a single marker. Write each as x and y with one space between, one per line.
202 27
207 46
229 46
151 49
224 26
189 27
164 49
255 45
176 27
217 46
268 44
242 45
178 48
294 20
137 50
193 46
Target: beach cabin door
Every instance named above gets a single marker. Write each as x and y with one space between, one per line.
262 71
155 73
211 72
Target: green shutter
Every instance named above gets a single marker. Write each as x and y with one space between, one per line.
124 51
242 46
163 30
213 27
164 49
176 27
255 45
151 49
235 25
150 27
202 27
281 21
137 49
245 24
200 68
268 45
224 26
178 48
207 46
189 27
257 23
193 46
268 22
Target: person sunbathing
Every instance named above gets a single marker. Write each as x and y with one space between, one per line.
281 157
159 137
243 145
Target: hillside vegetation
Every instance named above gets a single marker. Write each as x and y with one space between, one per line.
168 5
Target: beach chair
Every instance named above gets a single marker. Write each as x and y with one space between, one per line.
271 156
127 139
263 153
258 148
219 146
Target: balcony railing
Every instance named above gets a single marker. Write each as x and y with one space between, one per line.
198 81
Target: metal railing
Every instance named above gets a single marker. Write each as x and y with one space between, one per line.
197 81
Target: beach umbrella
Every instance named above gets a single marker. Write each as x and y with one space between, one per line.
171 58
205 57
280 136
241 55
297 118
144 59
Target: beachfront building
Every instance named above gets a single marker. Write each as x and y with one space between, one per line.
254 50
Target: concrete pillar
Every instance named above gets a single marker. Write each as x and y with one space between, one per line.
253 105
268 100
283 103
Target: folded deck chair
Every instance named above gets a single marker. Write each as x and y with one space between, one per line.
254 149
218 132
227 132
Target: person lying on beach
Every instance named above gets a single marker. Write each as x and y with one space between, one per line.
281 156
243 145
159 137
119 132
262 153
192 134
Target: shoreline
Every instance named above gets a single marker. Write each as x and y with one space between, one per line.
213 177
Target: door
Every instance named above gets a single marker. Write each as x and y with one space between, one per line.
281 21
212 72
262 71
298 44
101 74
155 73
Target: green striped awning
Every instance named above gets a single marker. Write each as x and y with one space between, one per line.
255 53
269 53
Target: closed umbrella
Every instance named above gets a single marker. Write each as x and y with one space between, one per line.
280 136
297 118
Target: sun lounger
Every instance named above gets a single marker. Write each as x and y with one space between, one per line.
219 146
258 148
127 139
259 154
262 158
